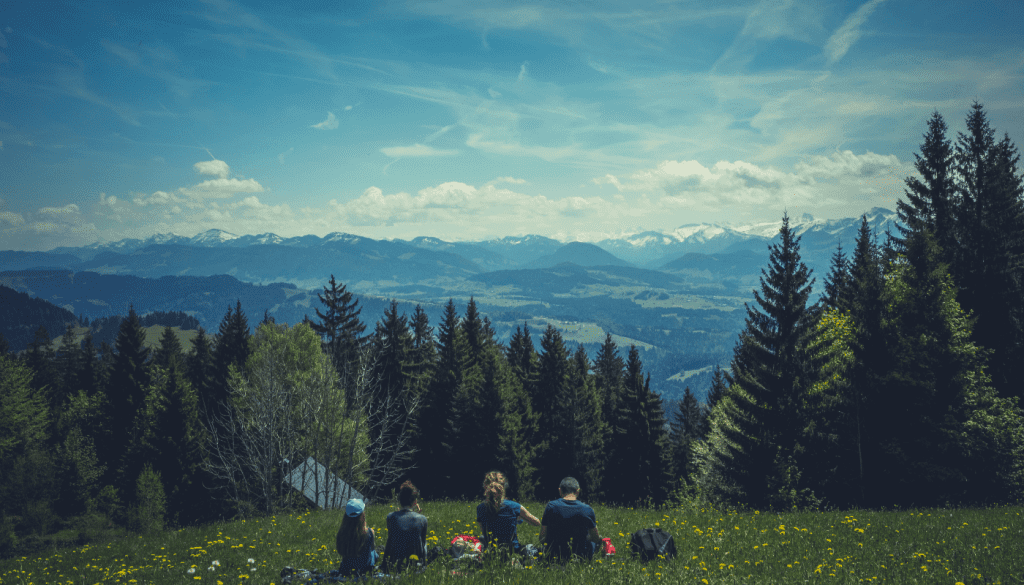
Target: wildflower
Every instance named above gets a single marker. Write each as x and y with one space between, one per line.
191 571
251 561
215 564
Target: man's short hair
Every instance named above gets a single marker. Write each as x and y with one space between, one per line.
569 485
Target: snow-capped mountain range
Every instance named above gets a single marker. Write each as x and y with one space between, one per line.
650 249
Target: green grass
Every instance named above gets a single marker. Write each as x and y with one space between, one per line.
913 546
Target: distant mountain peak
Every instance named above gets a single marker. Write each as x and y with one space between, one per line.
214 236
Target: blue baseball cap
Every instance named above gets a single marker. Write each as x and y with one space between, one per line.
354 508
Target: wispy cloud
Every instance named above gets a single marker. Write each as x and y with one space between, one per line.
850 31
331 123
416 150
280 157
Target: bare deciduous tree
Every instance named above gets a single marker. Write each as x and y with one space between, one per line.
288 406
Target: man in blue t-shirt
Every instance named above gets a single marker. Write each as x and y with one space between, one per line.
569 526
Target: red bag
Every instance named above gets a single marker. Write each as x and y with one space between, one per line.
466 544
608 548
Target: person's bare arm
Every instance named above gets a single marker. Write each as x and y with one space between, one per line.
525 515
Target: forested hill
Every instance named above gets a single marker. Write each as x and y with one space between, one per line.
21 315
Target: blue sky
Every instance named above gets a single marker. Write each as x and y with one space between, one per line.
470 120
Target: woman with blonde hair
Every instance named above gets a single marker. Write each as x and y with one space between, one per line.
497 517
355 542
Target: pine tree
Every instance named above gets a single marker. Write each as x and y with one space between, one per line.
988 267
837 283
772 374
24 416
340 328
1006 301
200 371
178 438
40 357
686 428
230 352
473 329
391 345
553 373
930 203
126 393
5 347
88 374
934 444
517 425
586 426
169 351
66 363
423 352
438 423
608 371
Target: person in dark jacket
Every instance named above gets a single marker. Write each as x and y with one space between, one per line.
569 527
407 533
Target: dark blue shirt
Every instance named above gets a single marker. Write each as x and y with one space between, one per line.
502 524
407 535
568 523
363 561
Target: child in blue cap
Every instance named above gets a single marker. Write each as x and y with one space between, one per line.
355 542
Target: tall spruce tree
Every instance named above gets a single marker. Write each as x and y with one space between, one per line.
391 346
938 438
126 394
200 371
837 282
66 364
342 331
229 354
685 428
88 374
40 358
930 202
772 374
585 422
609 369
168 352
547 397
438 421
990 224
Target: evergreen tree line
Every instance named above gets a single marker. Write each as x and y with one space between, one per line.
124 435
901 386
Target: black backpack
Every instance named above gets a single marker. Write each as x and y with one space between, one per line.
649 543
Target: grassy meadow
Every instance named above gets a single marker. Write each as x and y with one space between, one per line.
946 546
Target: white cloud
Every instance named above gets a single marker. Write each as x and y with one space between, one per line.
221 188
330 123
12 219
493 94
347 108
158 198
213 167
416 150
522 71
848 34
108 200
66 211
745 183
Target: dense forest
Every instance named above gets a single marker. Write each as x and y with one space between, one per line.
901 386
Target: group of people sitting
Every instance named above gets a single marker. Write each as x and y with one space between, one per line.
568 528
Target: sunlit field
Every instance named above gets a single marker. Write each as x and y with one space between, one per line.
903 546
